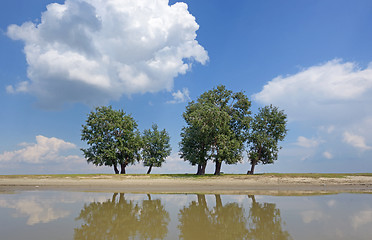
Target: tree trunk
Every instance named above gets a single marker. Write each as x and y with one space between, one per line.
116 169
204 166
149 197
148 172
123 165
254 162
251 172
218 168
201 168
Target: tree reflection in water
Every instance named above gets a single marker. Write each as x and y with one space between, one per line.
265 222
123 219
197 221
119 219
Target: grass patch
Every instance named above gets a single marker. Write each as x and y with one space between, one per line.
189 176
316 175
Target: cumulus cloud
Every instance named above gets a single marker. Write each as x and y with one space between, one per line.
93 51
305 142
328 155
180 97
333 80
321 92
332 98
356 141
44 150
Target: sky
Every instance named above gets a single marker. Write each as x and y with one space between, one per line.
61 59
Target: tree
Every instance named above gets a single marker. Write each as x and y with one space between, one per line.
113 138
194 148
268 127
156 147
216 126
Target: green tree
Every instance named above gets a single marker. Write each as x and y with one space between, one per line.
156 147
113 138
216 128
268 127
194 148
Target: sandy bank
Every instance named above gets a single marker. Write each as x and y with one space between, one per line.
223 184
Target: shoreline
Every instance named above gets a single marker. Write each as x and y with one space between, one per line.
230 184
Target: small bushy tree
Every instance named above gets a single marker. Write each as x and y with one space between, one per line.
216 127
268 127
156 147
112 137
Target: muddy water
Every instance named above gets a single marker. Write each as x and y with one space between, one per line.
83 215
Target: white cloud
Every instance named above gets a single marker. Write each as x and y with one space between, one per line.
93 51
180 97
356 141
44 150
328 155
333 99
307 143
331 91
333 80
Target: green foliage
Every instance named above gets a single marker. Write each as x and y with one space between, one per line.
267 129
216 127
113 138
156 147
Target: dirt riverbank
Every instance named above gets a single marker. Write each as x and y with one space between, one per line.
175 184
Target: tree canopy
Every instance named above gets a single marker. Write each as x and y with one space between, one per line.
268 127
112 137
216 127
156 147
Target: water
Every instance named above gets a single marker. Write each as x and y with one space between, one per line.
87 215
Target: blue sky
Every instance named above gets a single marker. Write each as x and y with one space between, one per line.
60 59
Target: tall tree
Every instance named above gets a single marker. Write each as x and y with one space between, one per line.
195 138
156 147
216 127
268 127
112 137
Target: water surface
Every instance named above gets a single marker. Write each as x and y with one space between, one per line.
86 215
